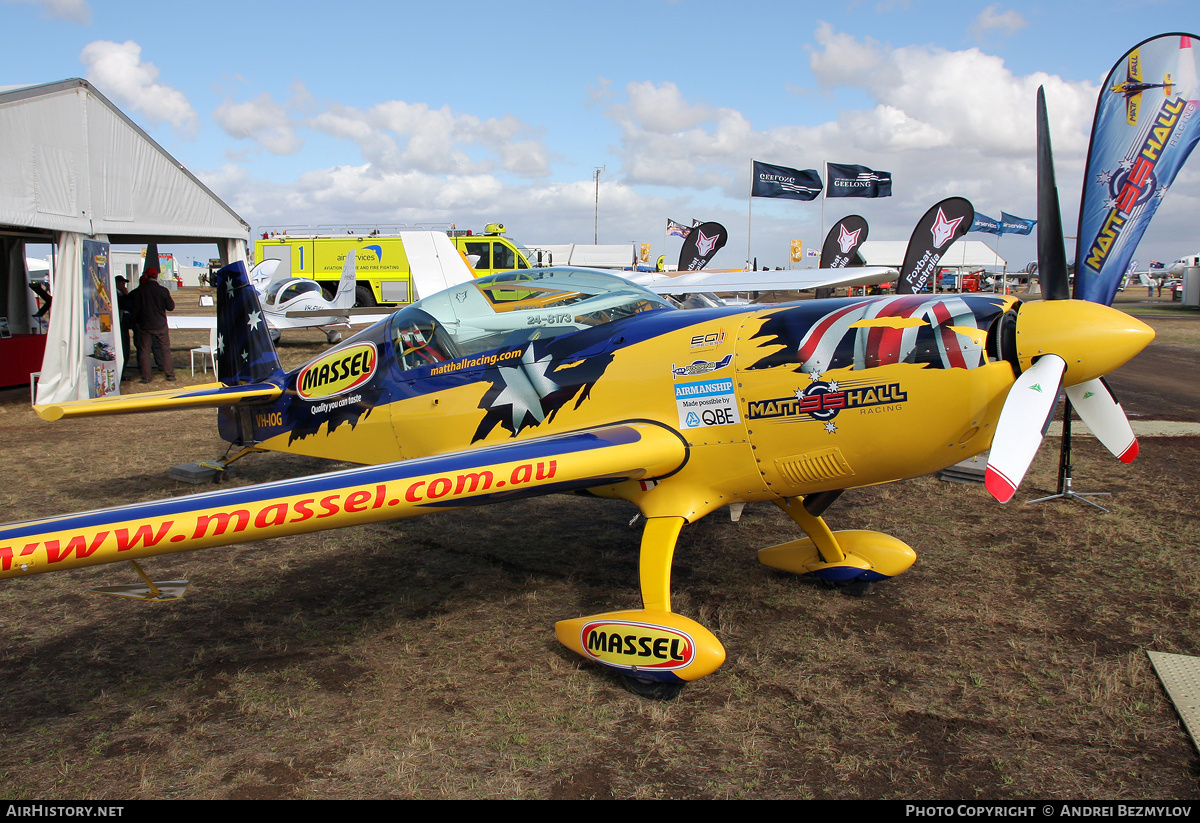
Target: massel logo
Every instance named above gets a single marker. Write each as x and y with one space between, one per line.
638 645
337 372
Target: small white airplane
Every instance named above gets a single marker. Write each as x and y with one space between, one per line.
297 303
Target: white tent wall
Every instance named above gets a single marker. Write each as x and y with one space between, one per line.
14 298
75 162
63 364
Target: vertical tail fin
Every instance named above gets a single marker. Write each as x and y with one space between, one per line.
344 298
244 353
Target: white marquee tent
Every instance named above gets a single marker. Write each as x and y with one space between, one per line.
973 254
75 167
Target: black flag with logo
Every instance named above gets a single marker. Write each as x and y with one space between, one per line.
841 244
780 181
934 234
705 240
856 181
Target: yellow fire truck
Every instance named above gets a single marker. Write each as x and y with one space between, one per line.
383 269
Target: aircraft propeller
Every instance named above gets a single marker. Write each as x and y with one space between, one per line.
1066 333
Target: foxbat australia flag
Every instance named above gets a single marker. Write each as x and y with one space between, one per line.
857 181
780 181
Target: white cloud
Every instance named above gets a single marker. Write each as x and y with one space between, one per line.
74 11
117 70
261 120
943 122
991 18
397 135
964 101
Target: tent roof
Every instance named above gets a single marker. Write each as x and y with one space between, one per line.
966 253
75 162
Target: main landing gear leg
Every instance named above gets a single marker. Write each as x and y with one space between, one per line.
850 560
656 651
221 465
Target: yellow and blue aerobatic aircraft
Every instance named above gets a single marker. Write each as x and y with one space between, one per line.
571 380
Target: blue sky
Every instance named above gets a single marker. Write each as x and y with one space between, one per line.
387 113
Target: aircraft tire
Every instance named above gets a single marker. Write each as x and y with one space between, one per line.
364 297
854 588
651 689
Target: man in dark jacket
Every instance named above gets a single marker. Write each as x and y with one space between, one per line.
150 304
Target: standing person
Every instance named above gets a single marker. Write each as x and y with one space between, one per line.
151 302
124 316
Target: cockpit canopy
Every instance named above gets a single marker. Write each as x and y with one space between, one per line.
282 291
509 309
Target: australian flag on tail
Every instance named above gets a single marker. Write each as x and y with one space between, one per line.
857 181
244 352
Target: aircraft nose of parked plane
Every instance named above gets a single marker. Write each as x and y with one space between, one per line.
1092 338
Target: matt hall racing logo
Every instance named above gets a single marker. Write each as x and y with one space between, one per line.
823 401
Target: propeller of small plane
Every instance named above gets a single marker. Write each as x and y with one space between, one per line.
1060 340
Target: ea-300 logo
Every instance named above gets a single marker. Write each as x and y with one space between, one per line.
337 372
700 367
629 645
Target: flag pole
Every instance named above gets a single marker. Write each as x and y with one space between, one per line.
750 212
824 183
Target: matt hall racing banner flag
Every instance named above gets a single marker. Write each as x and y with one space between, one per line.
856 181
780 181
1145 128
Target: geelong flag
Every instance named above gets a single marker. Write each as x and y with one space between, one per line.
857 181
780 181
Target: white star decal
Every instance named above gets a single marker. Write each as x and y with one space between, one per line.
255 319
524 388
1104 178
1126 164
833 386
220 344
246 356
229 286
831 427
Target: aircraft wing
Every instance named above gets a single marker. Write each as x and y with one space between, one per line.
178 322
205 394
352 317
791 280
572 461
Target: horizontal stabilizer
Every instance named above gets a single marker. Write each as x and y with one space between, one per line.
205 394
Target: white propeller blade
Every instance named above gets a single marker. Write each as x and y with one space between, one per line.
1100 412
1023 422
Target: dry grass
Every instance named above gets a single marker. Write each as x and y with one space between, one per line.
417 658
